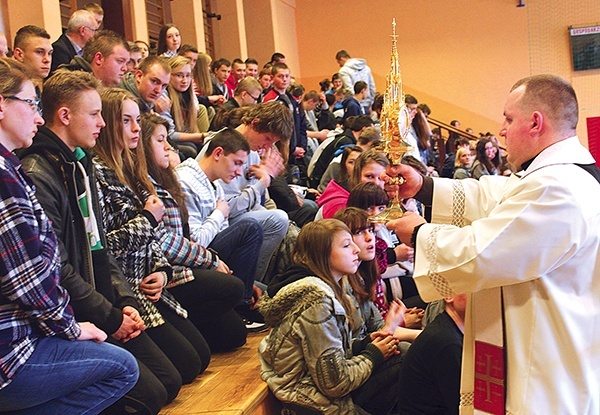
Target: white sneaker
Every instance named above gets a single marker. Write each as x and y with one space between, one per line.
254 327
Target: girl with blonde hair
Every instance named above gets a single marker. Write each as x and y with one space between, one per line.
462 163
203 84
188 120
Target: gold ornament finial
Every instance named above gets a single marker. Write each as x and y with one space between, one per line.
395 125
395 117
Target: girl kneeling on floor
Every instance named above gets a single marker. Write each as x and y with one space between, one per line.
307 358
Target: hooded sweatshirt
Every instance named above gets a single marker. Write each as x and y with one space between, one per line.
334 197
351 108
355 70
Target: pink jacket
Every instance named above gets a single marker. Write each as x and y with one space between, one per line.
334 198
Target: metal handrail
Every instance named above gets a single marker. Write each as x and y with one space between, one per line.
441 142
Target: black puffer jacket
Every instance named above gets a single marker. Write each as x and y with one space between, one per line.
94 280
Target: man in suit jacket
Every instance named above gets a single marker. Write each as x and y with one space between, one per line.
81 28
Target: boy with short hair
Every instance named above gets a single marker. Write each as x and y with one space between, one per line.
251 67
106 56
32 47
238 72
352 106
65 179
221 69
239 245
263 126
96 10
281 81
247 92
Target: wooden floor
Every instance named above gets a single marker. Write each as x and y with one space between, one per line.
230 386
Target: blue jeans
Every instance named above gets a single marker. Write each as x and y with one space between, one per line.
239 246
274 224
70 377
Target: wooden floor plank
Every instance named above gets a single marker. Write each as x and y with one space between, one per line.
230 386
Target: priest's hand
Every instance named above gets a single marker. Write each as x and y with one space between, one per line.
411 186
405 226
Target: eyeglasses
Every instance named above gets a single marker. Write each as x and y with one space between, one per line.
34 104
253 97
93 30
182 75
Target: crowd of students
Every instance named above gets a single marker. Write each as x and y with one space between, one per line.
152 207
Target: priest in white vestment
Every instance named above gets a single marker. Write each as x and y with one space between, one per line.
527 248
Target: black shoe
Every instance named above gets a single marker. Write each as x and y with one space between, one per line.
247 313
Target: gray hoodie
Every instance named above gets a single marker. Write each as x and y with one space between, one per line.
355 70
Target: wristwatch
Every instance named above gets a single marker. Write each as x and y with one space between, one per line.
215 257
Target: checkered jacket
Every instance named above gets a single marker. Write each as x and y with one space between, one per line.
32 304
131 237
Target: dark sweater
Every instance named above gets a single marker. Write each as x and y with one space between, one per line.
430 376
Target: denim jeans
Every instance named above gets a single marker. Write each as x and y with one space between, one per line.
70 377
274 224
239 247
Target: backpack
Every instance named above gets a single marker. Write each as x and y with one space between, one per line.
283 256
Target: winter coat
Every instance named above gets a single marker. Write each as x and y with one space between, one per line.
306 359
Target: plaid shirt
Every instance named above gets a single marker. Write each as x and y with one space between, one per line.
32 304
201 197
181 252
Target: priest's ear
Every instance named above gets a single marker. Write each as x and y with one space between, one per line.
537 123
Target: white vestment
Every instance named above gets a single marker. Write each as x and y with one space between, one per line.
537 236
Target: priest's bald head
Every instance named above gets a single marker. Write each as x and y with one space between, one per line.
540 111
